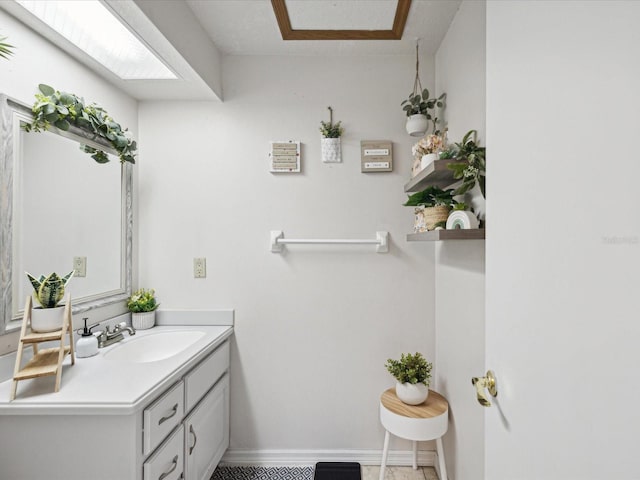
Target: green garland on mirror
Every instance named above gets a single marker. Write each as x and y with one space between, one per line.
63 110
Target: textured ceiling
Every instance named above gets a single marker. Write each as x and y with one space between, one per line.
249 27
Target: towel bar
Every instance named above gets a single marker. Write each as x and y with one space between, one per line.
381 241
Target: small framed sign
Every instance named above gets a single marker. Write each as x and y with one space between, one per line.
284 157
376 156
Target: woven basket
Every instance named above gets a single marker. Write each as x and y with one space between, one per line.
428 217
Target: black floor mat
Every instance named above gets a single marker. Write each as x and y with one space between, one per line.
337 471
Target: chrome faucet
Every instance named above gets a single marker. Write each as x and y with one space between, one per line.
108 337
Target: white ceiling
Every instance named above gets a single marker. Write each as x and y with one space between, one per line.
249 27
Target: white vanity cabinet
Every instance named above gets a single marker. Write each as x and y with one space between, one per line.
199 405
164 420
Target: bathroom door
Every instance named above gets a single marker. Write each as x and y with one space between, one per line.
563 240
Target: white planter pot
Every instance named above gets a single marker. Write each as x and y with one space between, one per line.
417 125
331 150
428 159
412 394
143 320
47 319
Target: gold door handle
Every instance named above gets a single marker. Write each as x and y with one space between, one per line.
488 382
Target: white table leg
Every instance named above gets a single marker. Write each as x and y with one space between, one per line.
441 462
415 455
385 452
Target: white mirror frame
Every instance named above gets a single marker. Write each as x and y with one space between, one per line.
11 113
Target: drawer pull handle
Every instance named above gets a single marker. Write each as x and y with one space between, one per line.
174 411
195 438
173 467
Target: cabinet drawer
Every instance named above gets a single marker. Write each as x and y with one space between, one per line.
161 417
168 462
201 379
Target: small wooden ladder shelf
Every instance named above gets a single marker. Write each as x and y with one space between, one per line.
46 361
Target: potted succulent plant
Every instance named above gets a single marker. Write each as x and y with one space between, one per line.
142 304
433 205
413 375
5 48
63 110
331 133
420 110
49 291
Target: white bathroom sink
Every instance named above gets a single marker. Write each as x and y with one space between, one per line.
153 346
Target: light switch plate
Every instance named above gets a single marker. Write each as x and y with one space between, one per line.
80 266
200 267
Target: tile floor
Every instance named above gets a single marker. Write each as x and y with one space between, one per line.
399 473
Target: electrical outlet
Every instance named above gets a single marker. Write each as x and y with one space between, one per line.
199 267
80 266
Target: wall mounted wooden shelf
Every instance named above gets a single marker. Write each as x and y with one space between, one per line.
436 173
436 235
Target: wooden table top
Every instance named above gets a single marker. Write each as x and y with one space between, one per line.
433 406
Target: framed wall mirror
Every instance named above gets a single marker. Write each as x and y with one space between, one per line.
60 207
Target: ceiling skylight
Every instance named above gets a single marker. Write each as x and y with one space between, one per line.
94 29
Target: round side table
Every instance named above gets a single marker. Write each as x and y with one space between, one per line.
427 421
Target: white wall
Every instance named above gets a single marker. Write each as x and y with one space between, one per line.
315 325
37 61
460 321
563 251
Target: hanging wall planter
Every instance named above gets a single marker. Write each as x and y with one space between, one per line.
331 133
331 150
419 108
417 125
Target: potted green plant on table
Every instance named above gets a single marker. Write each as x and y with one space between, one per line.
413 376
143 304
64 110
49 291
331 133
433 205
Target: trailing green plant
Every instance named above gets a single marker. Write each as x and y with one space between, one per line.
142 301
62 109
431 196
410 369
331 130
49 290
5 48
473 170
420 103
447 154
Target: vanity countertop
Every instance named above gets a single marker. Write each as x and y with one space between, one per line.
99 385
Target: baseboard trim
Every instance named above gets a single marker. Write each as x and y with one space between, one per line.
301 458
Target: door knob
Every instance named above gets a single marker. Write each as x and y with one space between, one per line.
488 382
